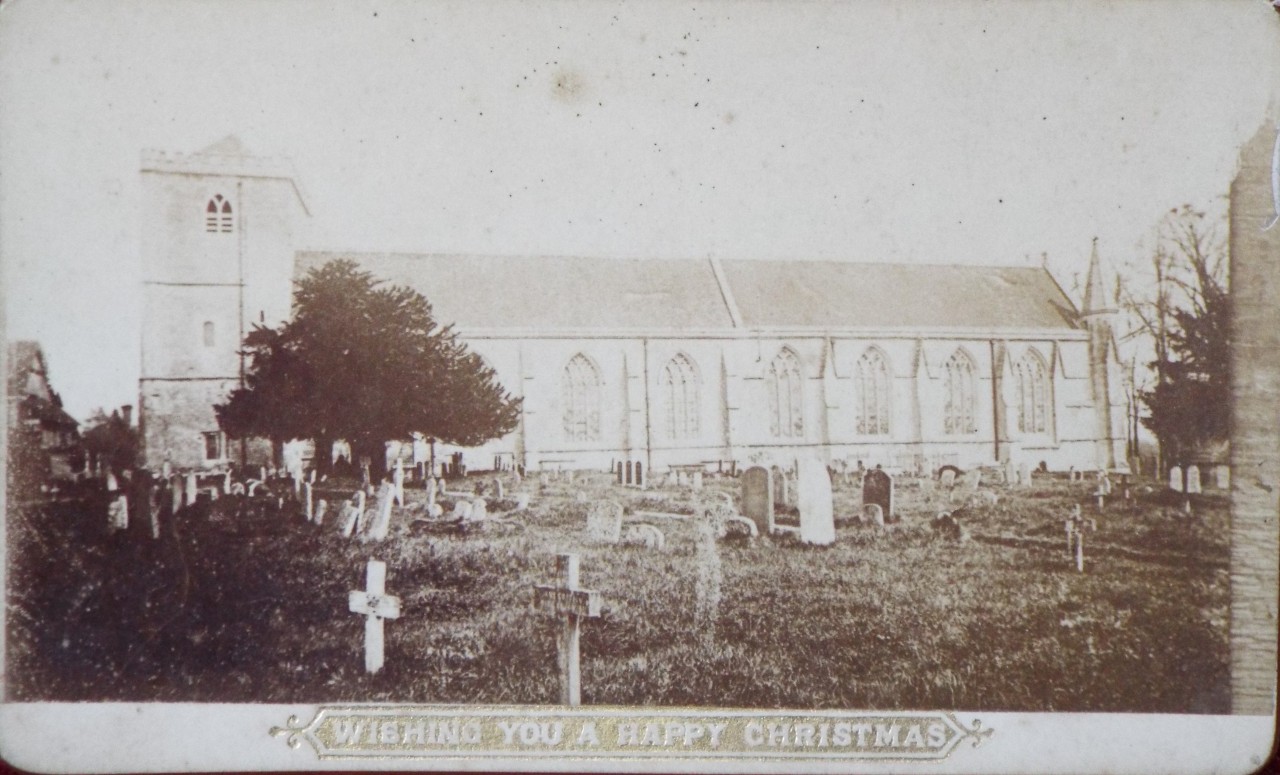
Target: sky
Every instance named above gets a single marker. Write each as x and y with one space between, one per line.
959 132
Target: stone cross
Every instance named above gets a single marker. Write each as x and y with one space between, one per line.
375 605
571 603
1075 536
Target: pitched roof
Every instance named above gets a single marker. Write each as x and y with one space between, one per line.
549 292
828 294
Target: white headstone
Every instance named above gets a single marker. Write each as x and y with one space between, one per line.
190 488
1193 480
382 519
522 501
1175 478
604 522
813 490
479 509
1222 477
398 480
461 510
309 503
948 479
696 480
322 508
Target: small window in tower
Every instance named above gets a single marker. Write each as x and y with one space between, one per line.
208 333
214 447
217 215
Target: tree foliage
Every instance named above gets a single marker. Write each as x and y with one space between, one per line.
111 442
1187 316
365 362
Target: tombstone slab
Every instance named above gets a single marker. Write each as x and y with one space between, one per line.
877 488
1193 480
813 491
757 497
1175 479
604 522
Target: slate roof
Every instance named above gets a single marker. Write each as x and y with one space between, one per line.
596 293
831 294
551 292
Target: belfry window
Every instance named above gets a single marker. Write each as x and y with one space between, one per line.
580 399
217 215
961 387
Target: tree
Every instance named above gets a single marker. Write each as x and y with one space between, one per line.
364 362
111 441
1187 316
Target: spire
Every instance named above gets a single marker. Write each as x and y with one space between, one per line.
1095 293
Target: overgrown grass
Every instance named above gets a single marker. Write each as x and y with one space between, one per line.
255 609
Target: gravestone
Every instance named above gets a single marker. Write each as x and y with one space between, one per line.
947 480
873 513
432 489
572 604
1222 477
175 494
397 480
309 504
375 605
190 488
322 508
877 488
479 509
165 469
643 534
1024 475
522 501
382 519
226 483
352 514
1175 479
498 491
757 498
461 510
604 522
973 480
1193 480
682 479
696 481
813 491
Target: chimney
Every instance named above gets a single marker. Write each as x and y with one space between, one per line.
126 414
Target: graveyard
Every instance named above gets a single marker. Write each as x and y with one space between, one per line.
983 591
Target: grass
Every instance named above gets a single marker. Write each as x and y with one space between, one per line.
254 609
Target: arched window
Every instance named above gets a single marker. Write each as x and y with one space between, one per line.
680 398
208 332
580 397
873 393
217 215
1032 382
785 395
961 395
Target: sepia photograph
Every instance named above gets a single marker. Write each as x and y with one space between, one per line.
746 385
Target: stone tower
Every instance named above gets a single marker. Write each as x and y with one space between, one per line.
1097 315
1255 443
217 257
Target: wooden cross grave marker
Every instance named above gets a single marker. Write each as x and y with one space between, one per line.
374 604
1075 536
572 603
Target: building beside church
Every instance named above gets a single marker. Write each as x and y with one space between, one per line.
659 361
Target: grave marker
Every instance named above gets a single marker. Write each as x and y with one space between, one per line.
498 491
398 482
1175 479
813 490
947 479
310 505
321 509
1222 477
757 498
375 605
1024 475
573 604
696 481
604 522
877 488
382 519
1193 480
1075 536
190 489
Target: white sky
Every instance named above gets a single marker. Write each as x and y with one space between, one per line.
872 131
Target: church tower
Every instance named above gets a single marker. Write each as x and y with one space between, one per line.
218 241
1098 315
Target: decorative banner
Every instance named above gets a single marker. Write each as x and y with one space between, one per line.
418 732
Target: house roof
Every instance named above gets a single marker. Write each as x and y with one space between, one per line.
549 292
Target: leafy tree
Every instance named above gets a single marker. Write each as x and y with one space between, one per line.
111 441
1187 316
364 362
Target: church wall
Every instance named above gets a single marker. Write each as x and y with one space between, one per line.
176 415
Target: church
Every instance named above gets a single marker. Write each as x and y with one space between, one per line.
711 362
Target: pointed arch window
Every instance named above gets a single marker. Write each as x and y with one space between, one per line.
217 215
786 395
680 398
1032 382
961 387
580 397
872 379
